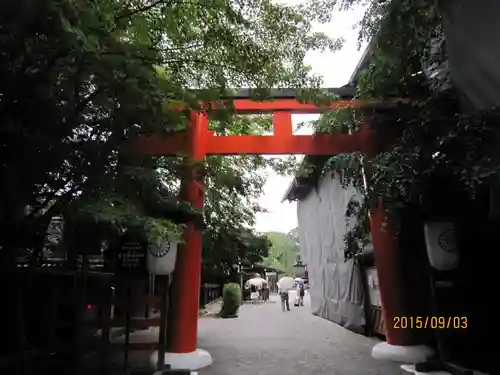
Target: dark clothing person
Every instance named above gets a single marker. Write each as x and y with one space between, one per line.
302 293
266 294
285 301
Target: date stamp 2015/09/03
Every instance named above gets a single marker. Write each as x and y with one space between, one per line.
430 322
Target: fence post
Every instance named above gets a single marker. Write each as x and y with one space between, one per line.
162 339
21 324
52 316
79 300
127 325
106 319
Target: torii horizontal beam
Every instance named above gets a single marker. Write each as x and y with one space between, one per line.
282 104
344 92
248 106
281 142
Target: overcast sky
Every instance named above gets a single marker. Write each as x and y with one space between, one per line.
336 69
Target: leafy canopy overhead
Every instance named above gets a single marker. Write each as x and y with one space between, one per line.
80 78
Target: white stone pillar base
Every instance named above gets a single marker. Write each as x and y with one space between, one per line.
410 354
184 361
411 369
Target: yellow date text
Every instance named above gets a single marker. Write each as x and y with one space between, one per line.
430 322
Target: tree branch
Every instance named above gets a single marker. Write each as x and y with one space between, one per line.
82 104
145 8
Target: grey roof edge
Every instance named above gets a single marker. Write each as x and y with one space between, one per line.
289 190
305 184
362 63
365 58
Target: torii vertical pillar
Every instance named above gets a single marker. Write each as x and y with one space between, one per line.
400 345
182 323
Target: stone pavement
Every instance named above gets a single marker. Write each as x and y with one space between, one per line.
263 340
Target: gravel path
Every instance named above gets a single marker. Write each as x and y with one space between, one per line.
265 341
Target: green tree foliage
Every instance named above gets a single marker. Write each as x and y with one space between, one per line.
294 233
434 140
434 146
283 252
81 78
393 29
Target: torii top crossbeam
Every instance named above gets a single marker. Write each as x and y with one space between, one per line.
281 104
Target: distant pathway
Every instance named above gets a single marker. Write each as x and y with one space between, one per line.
265 341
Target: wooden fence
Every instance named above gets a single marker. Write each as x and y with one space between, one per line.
209 292
62 317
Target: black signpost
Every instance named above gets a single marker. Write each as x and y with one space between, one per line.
131 256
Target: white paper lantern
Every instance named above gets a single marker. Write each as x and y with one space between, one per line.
161 257
441 245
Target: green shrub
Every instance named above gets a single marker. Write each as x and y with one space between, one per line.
231 300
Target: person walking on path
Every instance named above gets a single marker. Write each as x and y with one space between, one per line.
285 298
302 293
266 292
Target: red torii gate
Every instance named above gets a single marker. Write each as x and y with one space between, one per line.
198 142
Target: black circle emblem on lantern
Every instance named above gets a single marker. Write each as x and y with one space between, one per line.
446 240
159 251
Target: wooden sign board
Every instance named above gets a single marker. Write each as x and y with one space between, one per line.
54 232
131 256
